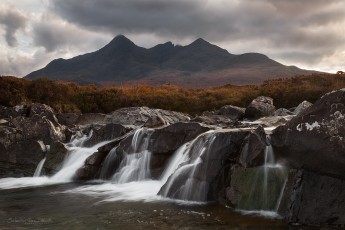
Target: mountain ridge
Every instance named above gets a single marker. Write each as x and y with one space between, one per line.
198 64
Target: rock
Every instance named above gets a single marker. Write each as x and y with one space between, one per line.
283 112
302 107
55 157
274 121
39 128
253 149
313 199
4 122
91 167
12 112
165 141
216 120
315 139
233 112
21 158
208 113
42 111
209 174
91 118
105 133
155 121
68 119
246 188
260 107
93 164
138 116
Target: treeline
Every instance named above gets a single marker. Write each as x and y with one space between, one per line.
69 97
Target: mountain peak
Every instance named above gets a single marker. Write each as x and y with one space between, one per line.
200 41
121 39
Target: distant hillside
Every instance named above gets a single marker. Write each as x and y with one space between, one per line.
198 64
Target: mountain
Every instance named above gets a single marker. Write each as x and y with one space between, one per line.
198 64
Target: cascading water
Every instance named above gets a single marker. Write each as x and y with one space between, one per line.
268 184
136 164
74 159
188 181
39 168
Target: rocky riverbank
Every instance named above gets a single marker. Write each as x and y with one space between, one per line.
299 151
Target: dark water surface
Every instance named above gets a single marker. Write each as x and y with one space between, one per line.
48 207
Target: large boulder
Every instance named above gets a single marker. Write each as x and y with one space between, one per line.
233 112
42 111
260 107
256 188
315 139
39 128
138 116
304 105
21 158
313 199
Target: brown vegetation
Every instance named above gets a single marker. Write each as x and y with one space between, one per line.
69 97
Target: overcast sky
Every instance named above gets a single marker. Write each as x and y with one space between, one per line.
307 33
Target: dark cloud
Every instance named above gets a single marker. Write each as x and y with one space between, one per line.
12 20
54 34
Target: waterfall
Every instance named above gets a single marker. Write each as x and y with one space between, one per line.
188 181
79 142
74 160
267 185
135 166
39 168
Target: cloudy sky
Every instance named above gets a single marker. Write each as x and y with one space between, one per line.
308 33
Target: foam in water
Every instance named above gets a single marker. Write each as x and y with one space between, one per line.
39 168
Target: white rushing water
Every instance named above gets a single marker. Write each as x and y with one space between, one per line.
74 159
39 168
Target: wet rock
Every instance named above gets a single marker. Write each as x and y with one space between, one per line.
260 107
283 112
233 112
21 158
55 157
313 199
207 177
165 141
215 120
93 164
274 121
138 116
253 149
315 139
105 133
302 107
246 189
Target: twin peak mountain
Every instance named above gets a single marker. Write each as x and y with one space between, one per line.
199 64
